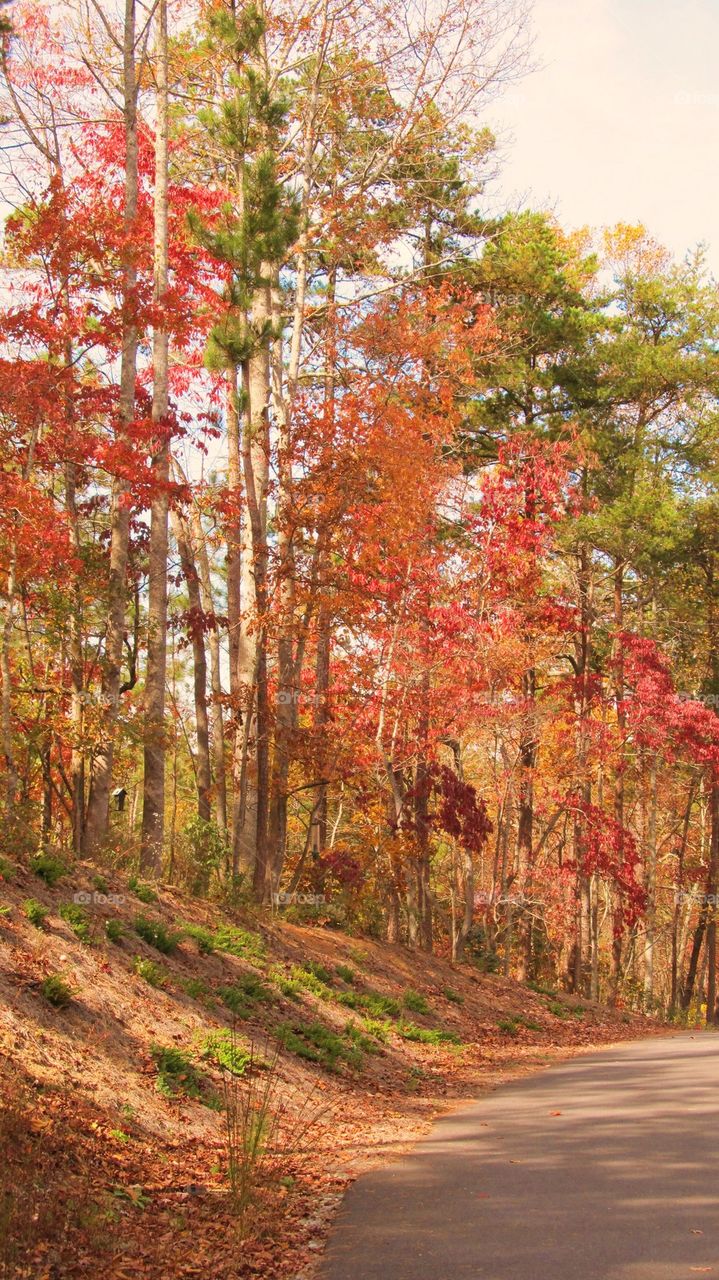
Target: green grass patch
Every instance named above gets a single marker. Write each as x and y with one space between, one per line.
223 1049
371 1003
56 991
150 972
203 936
241 996
7 870
176 1073
559 1010
415 1002
240 942
48 867
157 935
423 1035
315 1042
78 920
144 892
195 988
344 972
453 996
114 930
36 913
358 957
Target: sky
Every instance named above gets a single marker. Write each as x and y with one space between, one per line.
620 120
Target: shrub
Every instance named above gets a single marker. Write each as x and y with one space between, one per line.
150 972
240 942
77 918
315 1042
7 871
36 913
156 935
379 1028
144 892
453 996
242 995
203 851
308 980
114 930
359 1037
48 867
202 936
56 991
319 971
99 883
344 972
176 1073
557 1009
289 987
422 1035
416 1003
195 988
223 1048
372 1003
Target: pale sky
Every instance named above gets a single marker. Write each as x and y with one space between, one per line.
620 122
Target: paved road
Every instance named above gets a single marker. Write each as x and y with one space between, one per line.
622 1185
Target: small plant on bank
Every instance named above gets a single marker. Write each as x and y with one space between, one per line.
48 867
78 920
7 871
241 996
203 936
315 1042
416 1003
36 913
224 1050
176 1073
114 930
344 972
156 935
150 972
453 996
144 892
56 991
423 1035
240 942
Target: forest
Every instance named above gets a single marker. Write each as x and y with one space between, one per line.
359 556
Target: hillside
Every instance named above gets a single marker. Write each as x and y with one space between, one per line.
112 1167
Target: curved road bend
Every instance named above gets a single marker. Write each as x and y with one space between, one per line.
622 1185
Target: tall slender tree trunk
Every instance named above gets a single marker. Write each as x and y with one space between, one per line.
153 806
201 761
98 811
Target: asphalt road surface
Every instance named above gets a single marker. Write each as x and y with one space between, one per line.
622 1184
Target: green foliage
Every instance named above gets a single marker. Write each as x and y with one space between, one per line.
509 1025
378 1028
144 892
415 1002
156 935
372 1003
240 942
307 979
176 1073
360 1037
559 1010
423 1035
202 936
222 1048
344 972
36 913
114 930
56 991
205 851
77 918
7 870
242 996
315 1042
358 957
453 996
195 988
150 972
99 883
49 867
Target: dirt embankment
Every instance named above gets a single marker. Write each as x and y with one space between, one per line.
127 1020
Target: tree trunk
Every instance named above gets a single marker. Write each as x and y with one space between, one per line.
98 811
153 799
199 662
